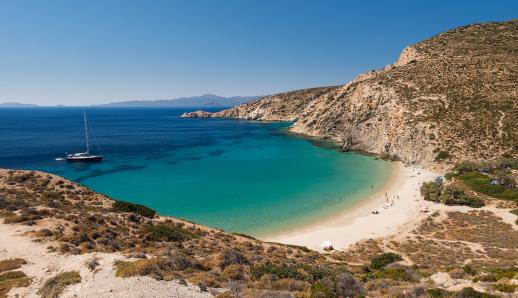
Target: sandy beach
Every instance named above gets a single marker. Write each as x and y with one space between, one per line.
358 222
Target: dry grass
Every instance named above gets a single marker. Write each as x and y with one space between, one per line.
12 279
11 264
55 285
136 268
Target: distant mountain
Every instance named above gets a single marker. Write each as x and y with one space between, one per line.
16 105
206 100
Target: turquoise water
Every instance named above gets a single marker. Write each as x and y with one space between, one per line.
242 176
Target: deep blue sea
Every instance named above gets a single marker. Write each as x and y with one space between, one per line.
243 176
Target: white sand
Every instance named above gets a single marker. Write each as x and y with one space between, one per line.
43 265
358 222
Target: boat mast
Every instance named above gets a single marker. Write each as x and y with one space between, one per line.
86 134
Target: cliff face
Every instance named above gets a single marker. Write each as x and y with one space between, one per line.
455 94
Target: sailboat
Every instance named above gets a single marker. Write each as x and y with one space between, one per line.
84 156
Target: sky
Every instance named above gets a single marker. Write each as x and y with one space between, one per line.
88 52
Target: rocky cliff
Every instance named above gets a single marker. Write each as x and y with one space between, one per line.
453 96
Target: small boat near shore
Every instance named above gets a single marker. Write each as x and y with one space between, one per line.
83 156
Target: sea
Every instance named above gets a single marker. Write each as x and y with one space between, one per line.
241 176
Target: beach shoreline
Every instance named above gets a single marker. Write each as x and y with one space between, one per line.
401 198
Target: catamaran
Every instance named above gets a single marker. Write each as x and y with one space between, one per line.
84 156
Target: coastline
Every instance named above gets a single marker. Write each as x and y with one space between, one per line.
357 222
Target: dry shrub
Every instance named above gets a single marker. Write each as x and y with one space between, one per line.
44 233
11 264
55 285
234 272
13 279
205 279
457 273
379 284
231 257
92 263
290 285
343 285
158 267
137 268
505 286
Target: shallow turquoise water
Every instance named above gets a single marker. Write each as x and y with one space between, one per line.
242 176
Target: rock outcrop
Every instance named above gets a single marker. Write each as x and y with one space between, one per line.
453 96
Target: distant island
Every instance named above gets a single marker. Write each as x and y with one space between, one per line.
16 105
206 100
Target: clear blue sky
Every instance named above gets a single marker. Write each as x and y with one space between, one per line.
84 52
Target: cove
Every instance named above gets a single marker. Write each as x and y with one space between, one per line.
242 176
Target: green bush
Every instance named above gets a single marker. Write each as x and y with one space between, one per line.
469 270
464 200
281 271
453 195
499 273
507 288
442 155
472 293
384 259
121 206
399 273
431 191
295 271
465 167
482 183
438 293
449 175
163 232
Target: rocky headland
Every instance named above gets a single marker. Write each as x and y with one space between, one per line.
451 97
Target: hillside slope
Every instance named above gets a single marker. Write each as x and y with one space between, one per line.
52 228
455 94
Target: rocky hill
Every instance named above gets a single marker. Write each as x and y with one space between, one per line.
453 96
